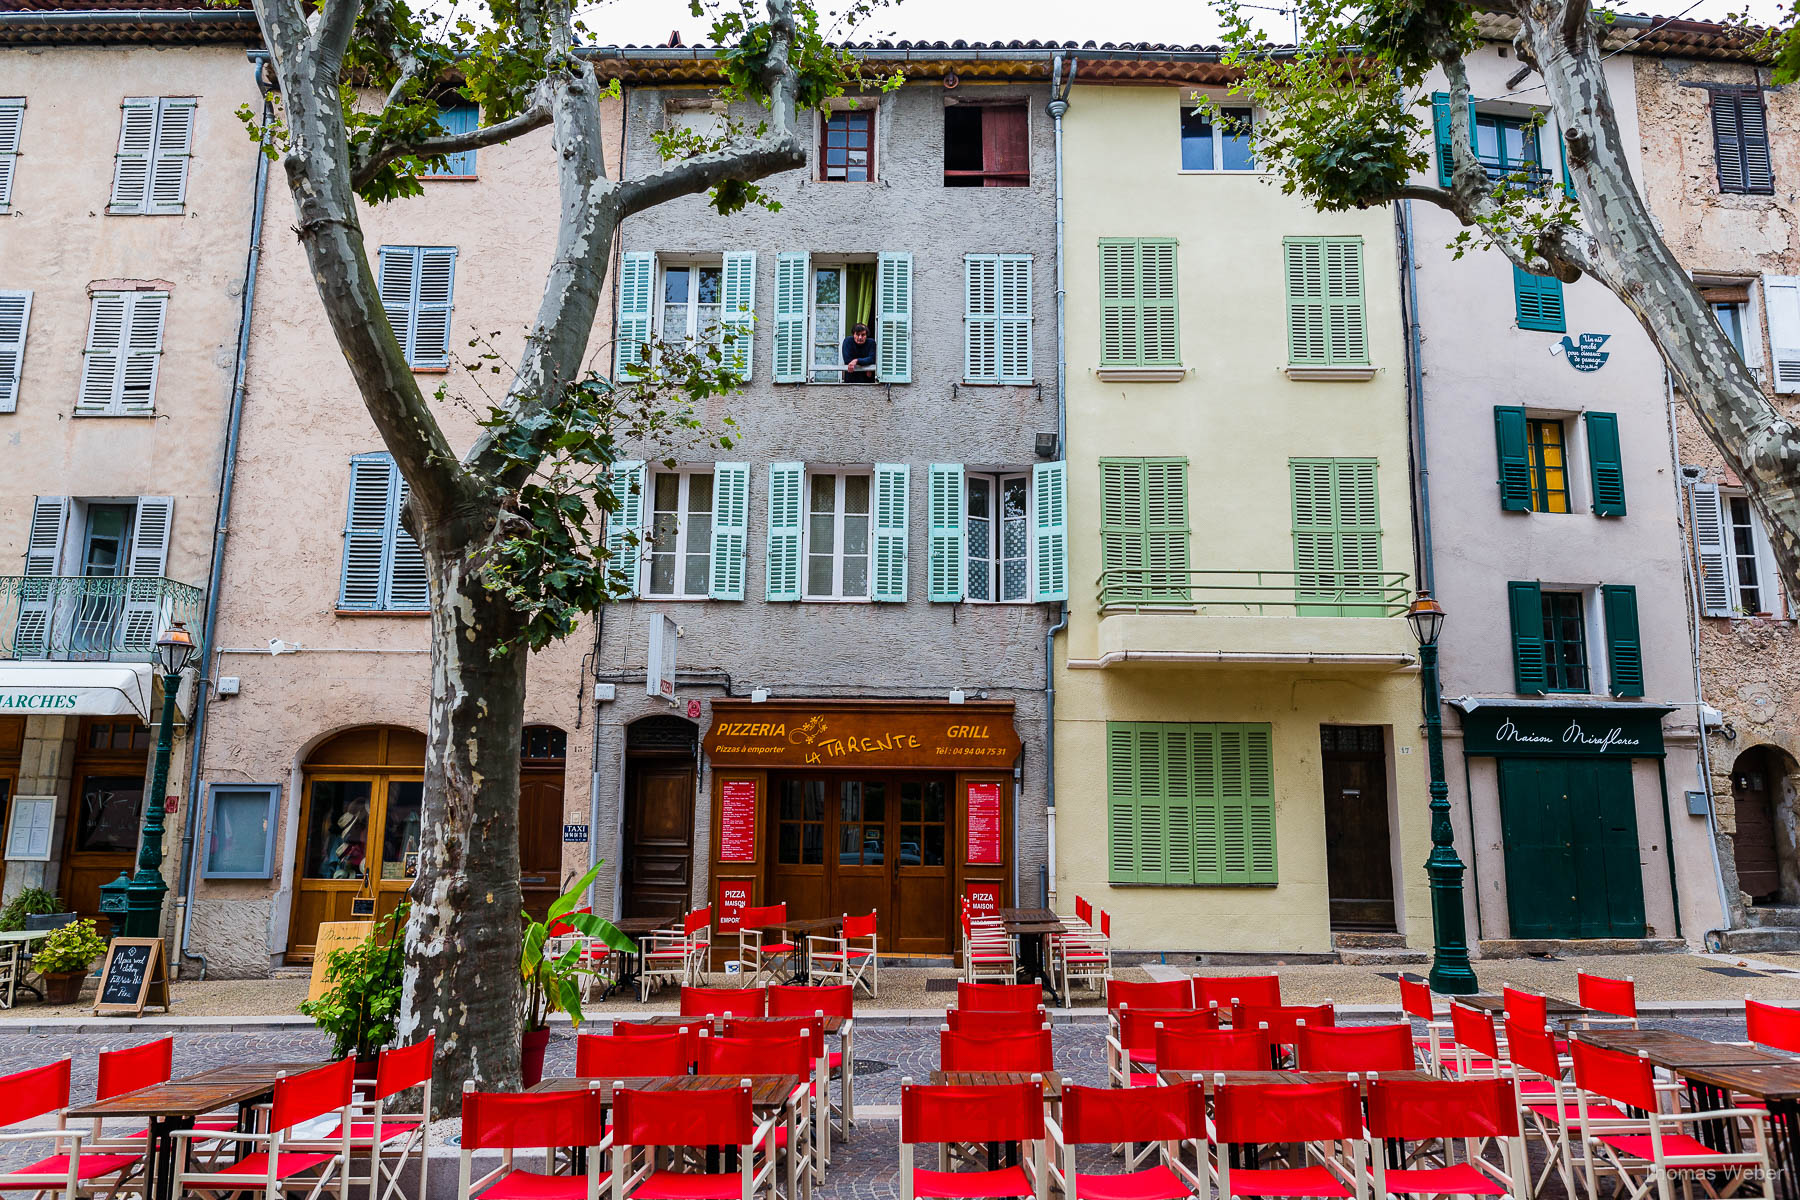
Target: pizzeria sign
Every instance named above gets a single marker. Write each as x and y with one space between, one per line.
863 733
1634 732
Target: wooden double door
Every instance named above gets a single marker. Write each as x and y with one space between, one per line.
1573 865
106 811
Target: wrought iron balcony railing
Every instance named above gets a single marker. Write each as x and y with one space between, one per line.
1258 593
91 618
1531 176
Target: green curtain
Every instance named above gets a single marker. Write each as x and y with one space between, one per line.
859 296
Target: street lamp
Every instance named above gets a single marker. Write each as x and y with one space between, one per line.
1451 973
175 649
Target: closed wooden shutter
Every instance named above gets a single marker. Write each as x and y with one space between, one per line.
637 286
1144 530
1122 802
730 529
174 147
1120 306
408 583
738 310
787 485
397 281
1624 646
1741 141
1308 343
1606 467
981 318
131 163
1166 532
1357 494
12 125
1122 577
142 614
454 120
1245 775
143 351
43 563
1337 537
1538 301
1050 531
124 348
1158 289
1015 364
1005 146
893 317
892 485
1513 447
1781 304
432 307
366 541
1710 551
1190 804
1525 604
625 526
1346 322
791 287
946 502
103 357
15 319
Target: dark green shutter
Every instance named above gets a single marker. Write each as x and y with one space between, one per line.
1624 649
1526 603
1440 127
1606 470
1512 443
1538 301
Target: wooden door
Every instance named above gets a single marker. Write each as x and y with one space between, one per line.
1572 860
866 845
924 841
540 839
102 836
802 822
1358 854
358 851
658 869
1753 845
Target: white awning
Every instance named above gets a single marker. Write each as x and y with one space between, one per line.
49 689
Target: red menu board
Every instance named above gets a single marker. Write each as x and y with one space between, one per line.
984 898
734 898
984 824
737 820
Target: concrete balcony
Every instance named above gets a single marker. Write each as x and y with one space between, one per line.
93 619
1253 619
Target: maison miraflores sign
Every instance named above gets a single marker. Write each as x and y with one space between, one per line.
1634 732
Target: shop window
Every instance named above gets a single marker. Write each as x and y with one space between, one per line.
837 537
108 819
400 832
1549 466
800 822
862 822
337 834
999 539
1215 141
118 735
924 823
679 562
1565 642
240 831
986 145
847 146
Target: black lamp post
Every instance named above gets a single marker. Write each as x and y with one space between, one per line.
1451 973
175 649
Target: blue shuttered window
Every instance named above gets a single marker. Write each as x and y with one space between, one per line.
1538 301
383 568
457 118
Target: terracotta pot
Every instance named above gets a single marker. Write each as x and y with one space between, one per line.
531 1048
63 987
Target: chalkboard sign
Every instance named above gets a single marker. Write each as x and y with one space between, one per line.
133 977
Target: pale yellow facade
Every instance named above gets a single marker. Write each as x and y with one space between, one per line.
1237 417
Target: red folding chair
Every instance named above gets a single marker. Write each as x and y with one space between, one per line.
43 1093
392 1137
713 1117
1162 1120
1283 1021
282 1160
1001 1052
757 958
999 997
827 1000
547 1121
1617 998
790 1051
1772 1025
616 1056
680 957
127 1070
1162 994
813 1029
1131 1052
1474 1047
1424 1123
849 956
982 1021
1318 1122
724 1002
1229 991
1355 1048
953 1117
1213 1050
1552 1118
1416 1001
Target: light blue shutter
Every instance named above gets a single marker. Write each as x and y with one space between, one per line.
456 119
137 145
625 524
43 562
432 307
397 281
738 312
946 501
791 271
730 529
366 541
1050 530
15 319
1015 318
893 317
406 584
892 481
787 483
981 318
149 560
637 284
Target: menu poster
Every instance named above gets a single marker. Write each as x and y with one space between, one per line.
984 824
984 898
737 820
734 898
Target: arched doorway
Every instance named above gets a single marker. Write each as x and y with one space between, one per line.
543 756
1763 844
657 864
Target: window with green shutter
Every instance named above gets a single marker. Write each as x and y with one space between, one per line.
1190 804
1144 531
1327 322
1624 646
1538 301
1140 323
1606 467
1337 537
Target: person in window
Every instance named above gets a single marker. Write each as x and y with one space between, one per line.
859 356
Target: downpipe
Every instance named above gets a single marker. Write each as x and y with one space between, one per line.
1059 104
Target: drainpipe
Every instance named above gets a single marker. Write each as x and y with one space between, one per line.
1059 104
221 527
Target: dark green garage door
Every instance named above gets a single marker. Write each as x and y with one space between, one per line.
1572 859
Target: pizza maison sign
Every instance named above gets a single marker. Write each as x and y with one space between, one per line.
1608 733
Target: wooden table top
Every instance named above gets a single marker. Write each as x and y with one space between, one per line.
807 924
766 1091
1234 1078
635 926
195 1095
1553 1005
832 1024
1052 1079
1667 1048
1028 914
1776 1083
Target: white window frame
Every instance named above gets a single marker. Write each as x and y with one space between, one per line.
1768 577
663 267
837 538
996 480
813 268
1189 101
682 512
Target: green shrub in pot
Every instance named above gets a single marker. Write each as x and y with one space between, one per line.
72 949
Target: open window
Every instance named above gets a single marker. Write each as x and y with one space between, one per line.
986 145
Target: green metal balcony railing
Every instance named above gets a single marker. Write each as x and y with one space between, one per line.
91 618
1258 593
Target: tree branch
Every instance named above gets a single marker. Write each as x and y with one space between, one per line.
763 157
371 157
336 24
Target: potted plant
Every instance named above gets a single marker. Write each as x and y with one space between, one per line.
362 996
552 980
65 958
30 902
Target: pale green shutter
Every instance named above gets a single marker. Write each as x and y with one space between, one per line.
1121 801
1209 815
787 482
1255 790
737 315
730 529
1120 312
981 318
791 271
1337 537
888 547
1346 323
1159 319
625 526
1316 581
1166 529
1177 804
893 317
1152 787
1122 577
1050 530
1355 493
637 287
1308 344
946 500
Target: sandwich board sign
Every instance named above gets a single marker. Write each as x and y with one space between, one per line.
135 974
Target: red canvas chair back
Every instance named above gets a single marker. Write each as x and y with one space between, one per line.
28 1094
1473 1029
779 1029
1107 1116
561 928
754 1056
1213 1050
980 1022
1084 911
526 1120
1263 991
1287 1112
724 1002
1533 1049
707 1117
1415 1111
644 1029
312 1093
1283 1020
1772 1025
1137 1029
1355 1048
694 922
996 1052
404 1067
999 997
1166 994
1616 997
1008 1112
764 916
1622 1078
1105 924
1527 1008
598 1056
806 999
135 1067
1415 998
860 927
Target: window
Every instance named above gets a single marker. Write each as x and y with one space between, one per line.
680 549
417 284
1737 564
1538 301
1139 323
986 145
12 125
999 537
701 121
837 537
156 139
1337 538
1741 141
1730 316
1144 531
1565 642
1747 549
1326 322
383 568
1549 632
457 117
997 318
842 297
1508 149
124 349
1190 805
1215 142
819 304
862 822
240 830
800 822
15 319
691 304
1549 476
847 146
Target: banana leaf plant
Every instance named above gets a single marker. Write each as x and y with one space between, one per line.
553 981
